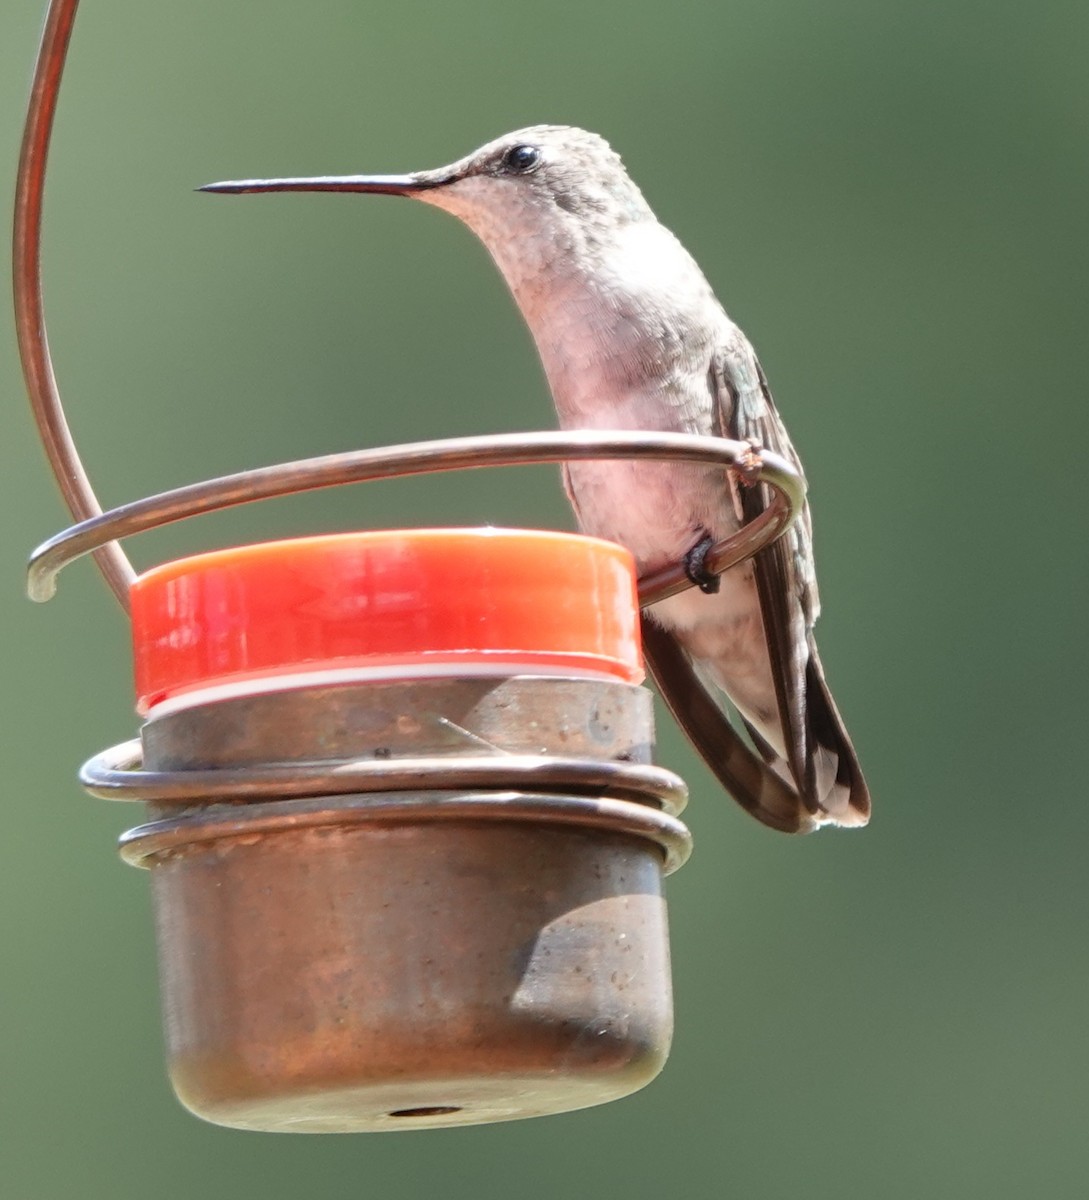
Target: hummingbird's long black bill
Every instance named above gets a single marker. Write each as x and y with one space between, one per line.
383 185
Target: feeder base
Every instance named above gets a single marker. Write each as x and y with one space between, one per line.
401 961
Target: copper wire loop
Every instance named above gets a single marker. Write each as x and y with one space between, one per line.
449 454
616 816
116 774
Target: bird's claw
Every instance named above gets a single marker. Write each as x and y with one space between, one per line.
695 566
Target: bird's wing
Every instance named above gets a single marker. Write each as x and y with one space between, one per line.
785 578
821 758
763 791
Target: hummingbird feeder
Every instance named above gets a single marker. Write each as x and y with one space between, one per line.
405 837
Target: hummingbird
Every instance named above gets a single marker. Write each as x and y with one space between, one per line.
631 337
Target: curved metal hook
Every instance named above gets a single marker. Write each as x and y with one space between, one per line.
41 383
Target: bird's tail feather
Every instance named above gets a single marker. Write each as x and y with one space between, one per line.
843 791
834 792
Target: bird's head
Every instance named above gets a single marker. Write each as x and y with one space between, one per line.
535 182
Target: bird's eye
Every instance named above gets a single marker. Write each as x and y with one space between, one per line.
521 158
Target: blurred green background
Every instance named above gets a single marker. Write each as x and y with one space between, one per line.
891 199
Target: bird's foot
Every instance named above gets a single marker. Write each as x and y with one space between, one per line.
695 566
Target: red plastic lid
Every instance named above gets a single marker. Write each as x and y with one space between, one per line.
442 599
